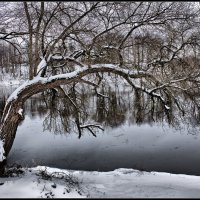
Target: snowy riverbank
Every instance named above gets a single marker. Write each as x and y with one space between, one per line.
36 182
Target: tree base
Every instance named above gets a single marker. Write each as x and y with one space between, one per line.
2 167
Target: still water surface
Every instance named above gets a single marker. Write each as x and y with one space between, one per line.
148 146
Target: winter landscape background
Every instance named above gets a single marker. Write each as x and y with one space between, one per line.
99 99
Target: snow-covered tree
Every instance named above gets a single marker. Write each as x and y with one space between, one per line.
68 37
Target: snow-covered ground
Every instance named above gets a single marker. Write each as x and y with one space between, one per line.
48 182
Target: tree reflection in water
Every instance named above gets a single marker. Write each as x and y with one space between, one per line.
77 109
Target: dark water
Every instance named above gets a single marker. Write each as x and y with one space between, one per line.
125 143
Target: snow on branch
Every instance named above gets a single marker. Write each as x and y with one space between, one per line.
109 47
41 66
78 74
20 112
169 83
2 157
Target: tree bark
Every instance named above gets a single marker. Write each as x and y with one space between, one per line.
8 129
37 57
10 123
30 46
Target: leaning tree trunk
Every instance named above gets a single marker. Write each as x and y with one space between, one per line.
13 115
